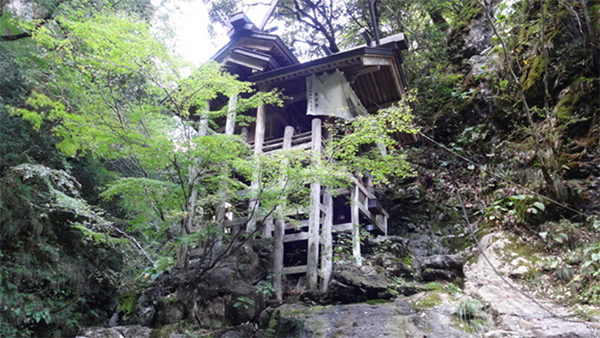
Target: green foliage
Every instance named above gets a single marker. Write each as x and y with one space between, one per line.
525 207
266 288
560 235
471 314
369 142
53 278
243 302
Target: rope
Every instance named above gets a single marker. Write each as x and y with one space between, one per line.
472 232
504 279
503 178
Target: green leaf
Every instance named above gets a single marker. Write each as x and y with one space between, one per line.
539 205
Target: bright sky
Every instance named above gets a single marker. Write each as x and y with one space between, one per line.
189 21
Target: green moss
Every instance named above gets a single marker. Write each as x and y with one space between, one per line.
442 287
376 301
568 103
430 301
534 73
282 326
595 14
528 251
467 14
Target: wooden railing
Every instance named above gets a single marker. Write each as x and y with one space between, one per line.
369 206
299 141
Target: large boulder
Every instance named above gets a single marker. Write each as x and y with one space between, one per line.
351 284
394 266
243 304
442 267
226 295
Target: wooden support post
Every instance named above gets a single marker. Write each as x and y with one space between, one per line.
267 228
279 230
229 130
327 248
355 219
259 133
244 133
278 257
314 219
231 113
259 139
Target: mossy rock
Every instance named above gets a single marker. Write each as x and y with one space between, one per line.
468 13
434 299
567 105
534 72
283 322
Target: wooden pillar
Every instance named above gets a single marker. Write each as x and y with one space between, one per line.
279 230
355 218
231 113
314 220
268 228
259 139
244 133
259 133
327 247
229 130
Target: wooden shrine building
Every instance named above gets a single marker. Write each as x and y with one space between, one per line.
341 85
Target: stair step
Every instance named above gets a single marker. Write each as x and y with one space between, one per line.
290 270
299 236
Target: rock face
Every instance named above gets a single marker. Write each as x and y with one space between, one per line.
392 319
517 315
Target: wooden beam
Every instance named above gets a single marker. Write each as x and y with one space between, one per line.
259 139
298 236
279 231
312 262
342 227
327 242
376 88
398 83
268 228
355 218
290 270
231 112
381 222
375 61
278 257
363 71
259 134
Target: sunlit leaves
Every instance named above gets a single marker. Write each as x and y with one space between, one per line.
370 142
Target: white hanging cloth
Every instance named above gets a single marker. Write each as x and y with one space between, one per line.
330 94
